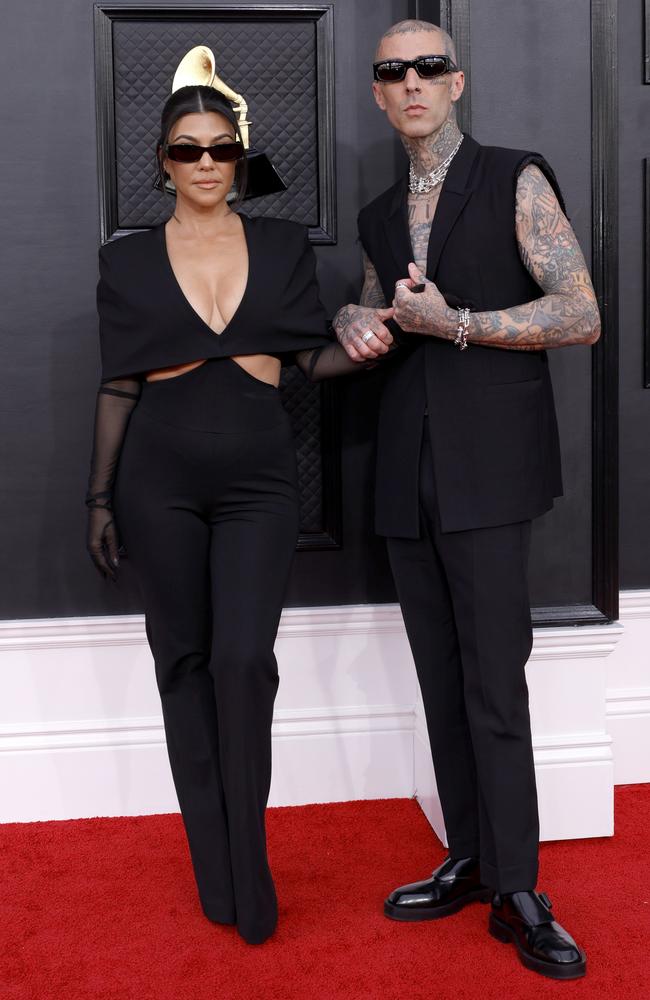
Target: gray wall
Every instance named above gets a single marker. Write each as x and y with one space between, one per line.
530 88
635 400
531 85
48 193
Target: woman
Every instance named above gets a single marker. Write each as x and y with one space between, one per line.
196 317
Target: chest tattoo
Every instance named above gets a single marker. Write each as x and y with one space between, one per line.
421 210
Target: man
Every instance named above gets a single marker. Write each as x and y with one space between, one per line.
473 259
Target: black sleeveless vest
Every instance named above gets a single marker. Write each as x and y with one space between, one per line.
491 412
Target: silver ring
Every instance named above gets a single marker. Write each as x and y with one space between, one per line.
367 335
401 284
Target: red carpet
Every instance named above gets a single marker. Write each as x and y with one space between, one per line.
105 908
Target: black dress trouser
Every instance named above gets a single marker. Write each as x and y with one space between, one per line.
206 503
464 597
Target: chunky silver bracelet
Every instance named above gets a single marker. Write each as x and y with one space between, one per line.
463 328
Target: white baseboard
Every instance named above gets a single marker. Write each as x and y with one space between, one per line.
573 766
119 766
81 732
343 725
426 790
628 691
574 786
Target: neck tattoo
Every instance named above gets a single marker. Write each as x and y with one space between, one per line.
425 184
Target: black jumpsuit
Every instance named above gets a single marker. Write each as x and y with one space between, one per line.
205 498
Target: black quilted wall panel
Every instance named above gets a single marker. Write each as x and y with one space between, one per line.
272 64
302 400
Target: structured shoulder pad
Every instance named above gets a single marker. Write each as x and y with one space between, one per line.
126 248
280 230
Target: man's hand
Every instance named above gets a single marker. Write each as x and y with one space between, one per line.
423 312
353 324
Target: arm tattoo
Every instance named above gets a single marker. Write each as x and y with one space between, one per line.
351 321
371 297
567 313
371 293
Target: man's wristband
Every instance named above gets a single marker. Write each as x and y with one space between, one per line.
462 332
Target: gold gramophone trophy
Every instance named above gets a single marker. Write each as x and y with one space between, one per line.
197 68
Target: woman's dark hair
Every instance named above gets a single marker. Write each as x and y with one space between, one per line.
193 100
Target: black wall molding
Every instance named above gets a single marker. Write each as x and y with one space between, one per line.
646 272
605 210
455 18
106 16
646 47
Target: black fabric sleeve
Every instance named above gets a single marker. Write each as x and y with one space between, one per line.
128 334
116 401
112 319
332 361
302 312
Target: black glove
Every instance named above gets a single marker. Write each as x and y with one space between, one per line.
101 539
116 401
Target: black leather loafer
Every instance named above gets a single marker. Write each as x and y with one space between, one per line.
525 920
451 887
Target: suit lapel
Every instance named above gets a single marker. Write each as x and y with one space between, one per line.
456 192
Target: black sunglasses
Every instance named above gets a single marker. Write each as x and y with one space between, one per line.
221 152
426 67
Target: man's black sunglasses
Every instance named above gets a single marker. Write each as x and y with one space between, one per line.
426 67
221 152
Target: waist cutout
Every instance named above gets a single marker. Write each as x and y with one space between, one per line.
218 396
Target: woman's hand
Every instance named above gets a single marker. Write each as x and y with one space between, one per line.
102 541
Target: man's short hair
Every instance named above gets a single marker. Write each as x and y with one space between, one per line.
411 27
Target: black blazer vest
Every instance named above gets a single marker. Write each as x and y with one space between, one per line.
491 411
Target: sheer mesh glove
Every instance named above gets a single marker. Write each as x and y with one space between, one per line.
116 401
331 361
102 541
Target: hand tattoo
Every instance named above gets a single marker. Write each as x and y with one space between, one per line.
424 312
354 323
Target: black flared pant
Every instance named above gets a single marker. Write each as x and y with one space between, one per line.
464 598
207 508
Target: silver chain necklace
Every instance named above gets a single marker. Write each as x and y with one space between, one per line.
422 185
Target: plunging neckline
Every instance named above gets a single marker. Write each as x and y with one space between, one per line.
183 296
